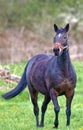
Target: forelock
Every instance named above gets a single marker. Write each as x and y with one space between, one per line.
61 30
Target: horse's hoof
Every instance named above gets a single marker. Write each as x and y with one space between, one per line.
41 125
55 127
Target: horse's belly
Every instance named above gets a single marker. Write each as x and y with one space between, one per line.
37 74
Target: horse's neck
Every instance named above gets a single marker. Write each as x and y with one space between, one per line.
64 62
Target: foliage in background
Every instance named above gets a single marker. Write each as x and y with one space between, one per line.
39 13
39 17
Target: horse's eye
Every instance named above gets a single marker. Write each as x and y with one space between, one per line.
64 37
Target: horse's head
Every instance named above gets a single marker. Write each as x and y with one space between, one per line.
60 39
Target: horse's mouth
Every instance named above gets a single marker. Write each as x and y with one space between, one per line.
57 52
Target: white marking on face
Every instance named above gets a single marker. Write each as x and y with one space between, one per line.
59 35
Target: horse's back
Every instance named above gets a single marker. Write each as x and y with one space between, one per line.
37 58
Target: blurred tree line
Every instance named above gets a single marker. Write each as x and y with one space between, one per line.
38 17
16 13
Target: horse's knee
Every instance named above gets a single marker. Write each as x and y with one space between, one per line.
35 107
57 109
36 110
68 112
44 107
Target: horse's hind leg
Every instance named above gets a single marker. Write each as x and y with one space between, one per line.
43 109
34 95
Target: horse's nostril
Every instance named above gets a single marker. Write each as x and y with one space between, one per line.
56 51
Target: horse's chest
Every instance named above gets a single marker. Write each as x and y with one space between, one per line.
60 83
63 86
64 82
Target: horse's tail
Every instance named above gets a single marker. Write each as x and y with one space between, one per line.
19 88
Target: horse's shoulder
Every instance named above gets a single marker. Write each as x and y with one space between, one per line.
37 60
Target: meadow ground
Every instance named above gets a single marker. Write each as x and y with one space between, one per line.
17 113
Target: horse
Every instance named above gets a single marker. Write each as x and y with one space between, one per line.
51 75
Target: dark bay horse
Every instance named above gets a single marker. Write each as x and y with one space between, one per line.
51 75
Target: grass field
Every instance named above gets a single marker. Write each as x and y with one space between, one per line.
17 113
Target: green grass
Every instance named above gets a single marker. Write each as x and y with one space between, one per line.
17 113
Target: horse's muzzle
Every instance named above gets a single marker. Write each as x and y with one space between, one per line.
56 51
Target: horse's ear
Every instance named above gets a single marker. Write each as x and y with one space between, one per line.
55 28
67 27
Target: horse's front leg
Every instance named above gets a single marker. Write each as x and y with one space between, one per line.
68 106
53 95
